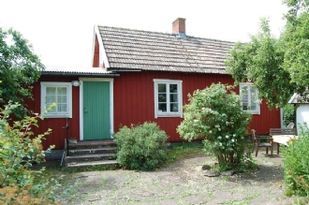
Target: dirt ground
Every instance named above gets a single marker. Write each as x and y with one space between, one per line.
182 182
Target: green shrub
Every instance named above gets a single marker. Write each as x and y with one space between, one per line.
296 166
141 147
19 150
215 114
288 114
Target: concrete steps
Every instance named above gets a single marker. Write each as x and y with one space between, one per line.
93 163
85 151
90 153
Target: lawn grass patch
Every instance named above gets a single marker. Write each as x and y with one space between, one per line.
183 150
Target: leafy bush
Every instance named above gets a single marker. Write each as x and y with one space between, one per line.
296 166
141 147
215 114
19 149
288 114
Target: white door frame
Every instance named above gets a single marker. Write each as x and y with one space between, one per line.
81 104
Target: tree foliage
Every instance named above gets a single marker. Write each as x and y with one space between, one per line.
277 67
222 125
19 67
295 42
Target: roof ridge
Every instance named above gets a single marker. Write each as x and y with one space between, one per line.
164 33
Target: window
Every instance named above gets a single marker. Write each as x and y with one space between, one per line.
249 97
56 100
168 98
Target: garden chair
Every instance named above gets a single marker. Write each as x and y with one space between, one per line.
261 141
290 125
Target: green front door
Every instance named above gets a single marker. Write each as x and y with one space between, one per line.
96 110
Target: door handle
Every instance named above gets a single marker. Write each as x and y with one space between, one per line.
85 110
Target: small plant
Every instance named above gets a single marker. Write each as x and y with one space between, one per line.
215 115
141 147
296 166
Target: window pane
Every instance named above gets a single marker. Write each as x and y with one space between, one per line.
244 93
50 99
245 106
162 97
173 88
254 98
174 107
173 98
161 88
50 91
162 107
62 99
51 107
62 107
62 91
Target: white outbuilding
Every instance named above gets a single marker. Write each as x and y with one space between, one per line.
302 109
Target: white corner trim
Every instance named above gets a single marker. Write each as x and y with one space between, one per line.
81 110
111 97
180 98
81 104
43 86
102 55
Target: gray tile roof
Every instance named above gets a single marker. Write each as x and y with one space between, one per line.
71 71
143 50
300 98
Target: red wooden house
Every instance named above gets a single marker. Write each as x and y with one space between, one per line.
137 76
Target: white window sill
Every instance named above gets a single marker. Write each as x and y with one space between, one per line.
56 116
252 112
169 115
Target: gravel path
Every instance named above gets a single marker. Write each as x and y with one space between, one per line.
182 182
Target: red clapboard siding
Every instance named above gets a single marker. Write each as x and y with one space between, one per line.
134 100
57 125
134 103
96 54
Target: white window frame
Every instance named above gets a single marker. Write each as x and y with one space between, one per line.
179 95
67 114
257 111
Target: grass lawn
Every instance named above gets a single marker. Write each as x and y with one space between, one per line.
180 181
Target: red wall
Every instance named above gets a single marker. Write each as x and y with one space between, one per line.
96 54
134 103
57 125
134 100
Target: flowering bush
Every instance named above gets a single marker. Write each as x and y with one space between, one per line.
214 114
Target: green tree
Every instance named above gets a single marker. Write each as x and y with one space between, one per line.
295 42
277 67
19 67
222 125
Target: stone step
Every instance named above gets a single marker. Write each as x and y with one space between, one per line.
90 157
102 150
91 144
92 163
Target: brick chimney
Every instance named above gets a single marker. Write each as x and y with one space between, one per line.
179 26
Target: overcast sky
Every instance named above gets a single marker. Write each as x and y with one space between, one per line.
61 31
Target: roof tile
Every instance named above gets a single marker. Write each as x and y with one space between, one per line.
144 50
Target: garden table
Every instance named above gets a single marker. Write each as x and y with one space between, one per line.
283 139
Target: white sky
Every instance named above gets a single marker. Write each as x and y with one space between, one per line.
61 31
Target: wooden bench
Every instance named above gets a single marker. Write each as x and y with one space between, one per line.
282 136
